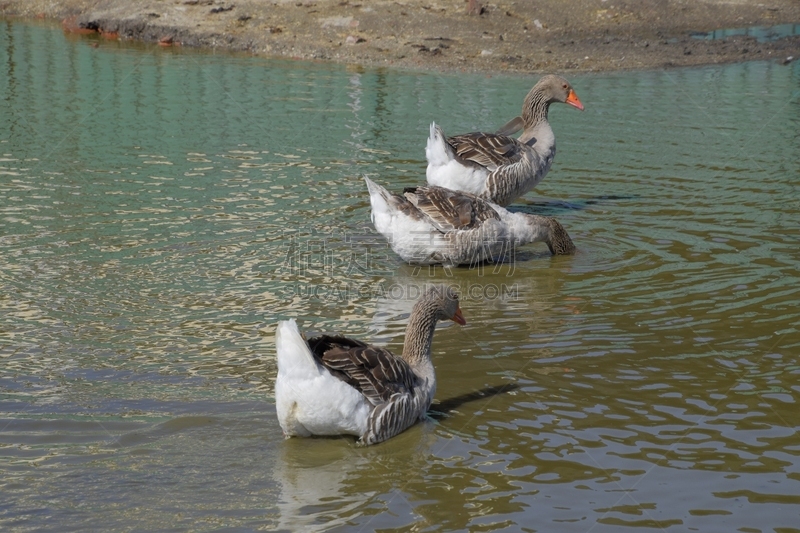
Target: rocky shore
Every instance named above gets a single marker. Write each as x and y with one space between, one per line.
460 35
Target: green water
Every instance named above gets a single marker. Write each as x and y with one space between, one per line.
160 210
761 33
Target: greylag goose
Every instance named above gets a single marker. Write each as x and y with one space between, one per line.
430 225
332 385
497 167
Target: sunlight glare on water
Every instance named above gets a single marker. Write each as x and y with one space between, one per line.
161 210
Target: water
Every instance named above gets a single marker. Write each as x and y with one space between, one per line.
160 210
762 34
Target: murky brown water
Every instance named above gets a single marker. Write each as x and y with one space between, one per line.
161 210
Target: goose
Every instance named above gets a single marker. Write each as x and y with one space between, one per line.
495 166
333 385
431 225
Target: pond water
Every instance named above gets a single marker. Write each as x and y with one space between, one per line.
761 34
160 210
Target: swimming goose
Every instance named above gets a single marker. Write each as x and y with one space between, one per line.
430 225
333 385
494 166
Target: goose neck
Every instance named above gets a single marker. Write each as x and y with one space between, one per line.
534 109
419 333
528 228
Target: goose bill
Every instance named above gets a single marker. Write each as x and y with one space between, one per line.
572 99
459 318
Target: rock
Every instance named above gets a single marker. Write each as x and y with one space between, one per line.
430 51
475 8
72 25
337 22
221 9
354 39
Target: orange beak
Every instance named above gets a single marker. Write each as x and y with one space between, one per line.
459 318
572 99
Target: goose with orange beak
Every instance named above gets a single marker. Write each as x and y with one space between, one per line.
333 385
496 166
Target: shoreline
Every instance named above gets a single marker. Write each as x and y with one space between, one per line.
507 37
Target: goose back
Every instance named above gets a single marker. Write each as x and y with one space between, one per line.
373 371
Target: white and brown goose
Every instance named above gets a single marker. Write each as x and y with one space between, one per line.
432 225
333 385
495 166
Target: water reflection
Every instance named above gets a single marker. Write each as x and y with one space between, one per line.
312 475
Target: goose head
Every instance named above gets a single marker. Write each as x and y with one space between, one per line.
557 89
549 89
536 228
444 300
557 239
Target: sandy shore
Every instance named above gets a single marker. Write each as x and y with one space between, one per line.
514 36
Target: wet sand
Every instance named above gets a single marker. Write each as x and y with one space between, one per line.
521 36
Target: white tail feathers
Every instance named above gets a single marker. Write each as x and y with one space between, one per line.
294 358
375 190
437 151
309 400
379 198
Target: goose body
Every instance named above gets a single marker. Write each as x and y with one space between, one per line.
431 225
496 166
329 407
333 385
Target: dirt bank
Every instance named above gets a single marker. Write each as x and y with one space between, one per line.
522 36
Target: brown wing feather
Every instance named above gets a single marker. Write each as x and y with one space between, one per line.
488 150
511 127
450 210
402 204
375 372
